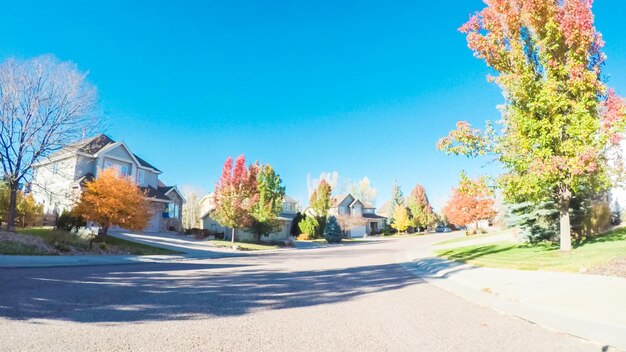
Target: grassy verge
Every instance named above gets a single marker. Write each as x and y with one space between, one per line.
469 238
48 234
589 253
244 245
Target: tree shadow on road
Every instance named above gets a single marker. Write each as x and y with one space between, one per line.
151 292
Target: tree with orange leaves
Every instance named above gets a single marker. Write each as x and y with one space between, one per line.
114 200
236 194
470 202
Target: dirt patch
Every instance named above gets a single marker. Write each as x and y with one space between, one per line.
46 248
615 267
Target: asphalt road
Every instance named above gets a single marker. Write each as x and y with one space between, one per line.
348 298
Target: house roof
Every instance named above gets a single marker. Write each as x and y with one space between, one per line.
168 189
354 202
288 199
373 216
93 145
336 200
152 192
145 163
84 179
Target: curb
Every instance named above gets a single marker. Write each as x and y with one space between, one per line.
593 331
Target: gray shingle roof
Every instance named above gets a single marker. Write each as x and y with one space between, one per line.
154 193
93 145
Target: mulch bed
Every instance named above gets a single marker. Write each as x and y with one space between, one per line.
615 267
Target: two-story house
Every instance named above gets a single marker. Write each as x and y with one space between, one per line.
365 220
58 180
288 213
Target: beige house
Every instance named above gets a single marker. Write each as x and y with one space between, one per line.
286 216
58 180
361 215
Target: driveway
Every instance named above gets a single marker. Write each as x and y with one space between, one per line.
346 298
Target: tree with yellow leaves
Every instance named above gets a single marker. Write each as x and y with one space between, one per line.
114 200
401 219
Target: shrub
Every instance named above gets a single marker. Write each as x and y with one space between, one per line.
332 231
70 222
304 237
309 226
64 240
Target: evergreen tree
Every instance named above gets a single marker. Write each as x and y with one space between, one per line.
332 231
397 200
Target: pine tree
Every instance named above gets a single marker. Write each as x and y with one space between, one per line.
397 200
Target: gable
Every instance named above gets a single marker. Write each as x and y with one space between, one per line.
119 152
346 201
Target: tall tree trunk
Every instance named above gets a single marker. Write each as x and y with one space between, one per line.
232 237
565 236
12 211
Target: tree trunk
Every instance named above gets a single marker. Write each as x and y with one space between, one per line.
565 235
11 213
232 238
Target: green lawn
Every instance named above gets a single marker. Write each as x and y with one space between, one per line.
244 245
469 238
134 248
589 253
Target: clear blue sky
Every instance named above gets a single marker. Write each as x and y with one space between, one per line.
359 87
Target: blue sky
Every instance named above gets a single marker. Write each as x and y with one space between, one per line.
364 88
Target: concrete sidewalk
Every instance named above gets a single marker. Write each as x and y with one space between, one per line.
589 306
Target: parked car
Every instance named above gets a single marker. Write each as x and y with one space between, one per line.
443 229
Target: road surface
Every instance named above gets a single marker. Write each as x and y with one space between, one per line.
348 298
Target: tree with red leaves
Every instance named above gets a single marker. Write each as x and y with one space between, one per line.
470 202
421 210
236 194
560 123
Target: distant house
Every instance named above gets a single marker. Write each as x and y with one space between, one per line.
59 179
286 216
361 213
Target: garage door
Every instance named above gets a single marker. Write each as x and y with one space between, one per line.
155 223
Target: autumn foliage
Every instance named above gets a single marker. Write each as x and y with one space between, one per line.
236 194
114 200
470 202
401 219
561 124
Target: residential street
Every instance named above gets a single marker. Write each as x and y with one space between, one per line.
348 298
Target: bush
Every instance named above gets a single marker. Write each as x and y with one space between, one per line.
309 226
304 237
64 240
70 222
332 231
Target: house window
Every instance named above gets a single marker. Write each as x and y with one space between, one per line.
172 210
55 168
141 176
124 169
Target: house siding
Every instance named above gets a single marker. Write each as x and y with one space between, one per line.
51 185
